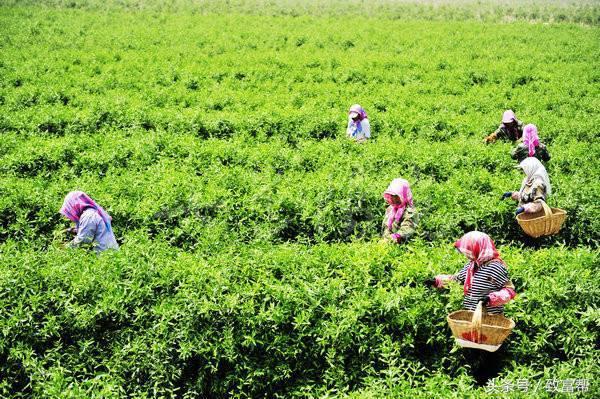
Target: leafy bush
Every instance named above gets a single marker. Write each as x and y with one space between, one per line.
250 265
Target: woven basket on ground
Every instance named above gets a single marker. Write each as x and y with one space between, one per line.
544 223
480 327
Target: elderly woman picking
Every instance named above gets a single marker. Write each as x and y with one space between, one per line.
358 128
510 129
401 217
484 277
534 188
92 223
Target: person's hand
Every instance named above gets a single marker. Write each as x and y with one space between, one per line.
486 301
396 237
71 230
519 210
506 195
430 282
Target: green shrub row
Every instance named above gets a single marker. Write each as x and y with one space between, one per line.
273 191
209 76
278 321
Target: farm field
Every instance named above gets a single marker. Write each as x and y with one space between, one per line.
250 262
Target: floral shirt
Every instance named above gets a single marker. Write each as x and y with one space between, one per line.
405 226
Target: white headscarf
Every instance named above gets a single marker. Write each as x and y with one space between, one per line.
532 168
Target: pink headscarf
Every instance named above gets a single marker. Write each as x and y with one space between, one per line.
479 248
76 202
359 110
530 138
401 188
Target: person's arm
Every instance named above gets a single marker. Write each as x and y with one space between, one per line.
519 153
504 290
86 230
442 279
386 233
493 137
544 154
514 153
350 129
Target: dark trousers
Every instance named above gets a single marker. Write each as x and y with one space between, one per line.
484 365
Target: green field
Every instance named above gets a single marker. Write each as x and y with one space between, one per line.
250 265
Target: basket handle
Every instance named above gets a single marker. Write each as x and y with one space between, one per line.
476 323
547 210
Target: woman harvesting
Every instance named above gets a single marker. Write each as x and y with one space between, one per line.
92 223
510 129
484 277
358 128
534 188
401 216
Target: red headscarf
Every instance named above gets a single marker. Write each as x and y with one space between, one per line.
479 248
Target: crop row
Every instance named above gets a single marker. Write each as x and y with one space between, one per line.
278 321
179 186
220 75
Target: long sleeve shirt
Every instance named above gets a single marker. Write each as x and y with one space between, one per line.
91 229
504 133
359 131
489 278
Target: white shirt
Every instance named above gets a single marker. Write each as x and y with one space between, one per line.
360 130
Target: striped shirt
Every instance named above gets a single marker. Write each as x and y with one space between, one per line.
489 277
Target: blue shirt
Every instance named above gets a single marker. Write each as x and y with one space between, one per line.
91 228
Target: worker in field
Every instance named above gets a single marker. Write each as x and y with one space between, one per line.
358 128
510 129
92 223
484 277
531 146
534 188
401 217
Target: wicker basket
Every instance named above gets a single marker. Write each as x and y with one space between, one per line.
544 223
478 329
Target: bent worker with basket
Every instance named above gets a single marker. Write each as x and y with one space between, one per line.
534 188
486 285
484 277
